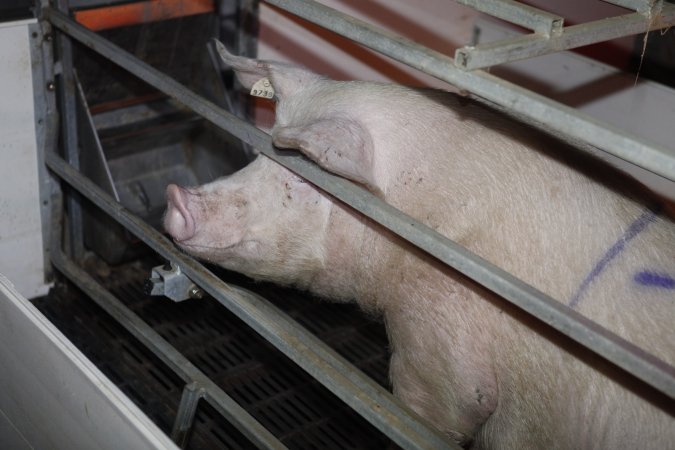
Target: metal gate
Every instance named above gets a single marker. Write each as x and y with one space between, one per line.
366 397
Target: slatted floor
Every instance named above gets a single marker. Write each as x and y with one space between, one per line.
286 400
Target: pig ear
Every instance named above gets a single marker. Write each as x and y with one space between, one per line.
342 146
286 79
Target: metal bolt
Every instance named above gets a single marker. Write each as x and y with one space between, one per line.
148 285
196 293
51 86
48 37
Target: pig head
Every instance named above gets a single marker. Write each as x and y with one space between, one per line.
249 222
469 363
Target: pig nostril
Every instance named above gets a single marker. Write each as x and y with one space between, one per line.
177 218
178 221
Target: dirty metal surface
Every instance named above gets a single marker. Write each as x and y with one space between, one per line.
286 400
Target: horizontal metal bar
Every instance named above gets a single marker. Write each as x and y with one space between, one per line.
82 4
222 402
527 105
569 322
537 109
518 13
531 45
635 5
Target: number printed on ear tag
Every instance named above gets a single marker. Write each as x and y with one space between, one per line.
262 88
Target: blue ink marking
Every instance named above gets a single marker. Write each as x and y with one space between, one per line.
646 278
634 229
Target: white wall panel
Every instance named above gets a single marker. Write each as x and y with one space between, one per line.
21 256
53 397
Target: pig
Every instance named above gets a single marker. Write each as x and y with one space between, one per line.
481 371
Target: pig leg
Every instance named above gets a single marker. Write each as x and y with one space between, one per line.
340 145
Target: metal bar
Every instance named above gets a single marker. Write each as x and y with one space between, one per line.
234 413
247 40
572 324
140 12
94 165
635 5
67 96
534 19
231 100
185 416
526 105
247 45
531 45
537 109
46 119
82 4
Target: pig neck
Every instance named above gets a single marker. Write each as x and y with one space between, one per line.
360 258
353 252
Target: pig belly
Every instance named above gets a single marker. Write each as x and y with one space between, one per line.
490 376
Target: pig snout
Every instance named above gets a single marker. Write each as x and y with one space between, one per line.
178 221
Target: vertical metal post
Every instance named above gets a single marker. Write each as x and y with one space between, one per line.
247 39
247 45
238 28
67 96
228 31
46 120
185 416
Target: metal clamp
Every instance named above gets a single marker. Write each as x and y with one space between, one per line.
168 280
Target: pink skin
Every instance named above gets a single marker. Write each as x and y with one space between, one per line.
179 221
249 222
462 358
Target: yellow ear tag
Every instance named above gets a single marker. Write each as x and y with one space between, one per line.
262 88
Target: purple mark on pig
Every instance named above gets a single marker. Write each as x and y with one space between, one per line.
660 280
634 229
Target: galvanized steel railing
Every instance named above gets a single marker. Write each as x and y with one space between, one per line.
536 109
361 393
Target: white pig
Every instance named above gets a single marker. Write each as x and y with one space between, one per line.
478 369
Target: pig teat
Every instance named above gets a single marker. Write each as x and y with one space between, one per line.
178 221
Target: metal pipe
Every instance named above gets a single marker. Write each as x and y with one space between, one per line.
635 5
531 45
47 124
234 413
535 19
67 94
527 105
569 322
362 394
185 416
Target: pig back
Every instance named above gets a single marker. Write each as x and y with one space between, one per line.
578 230
527 203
